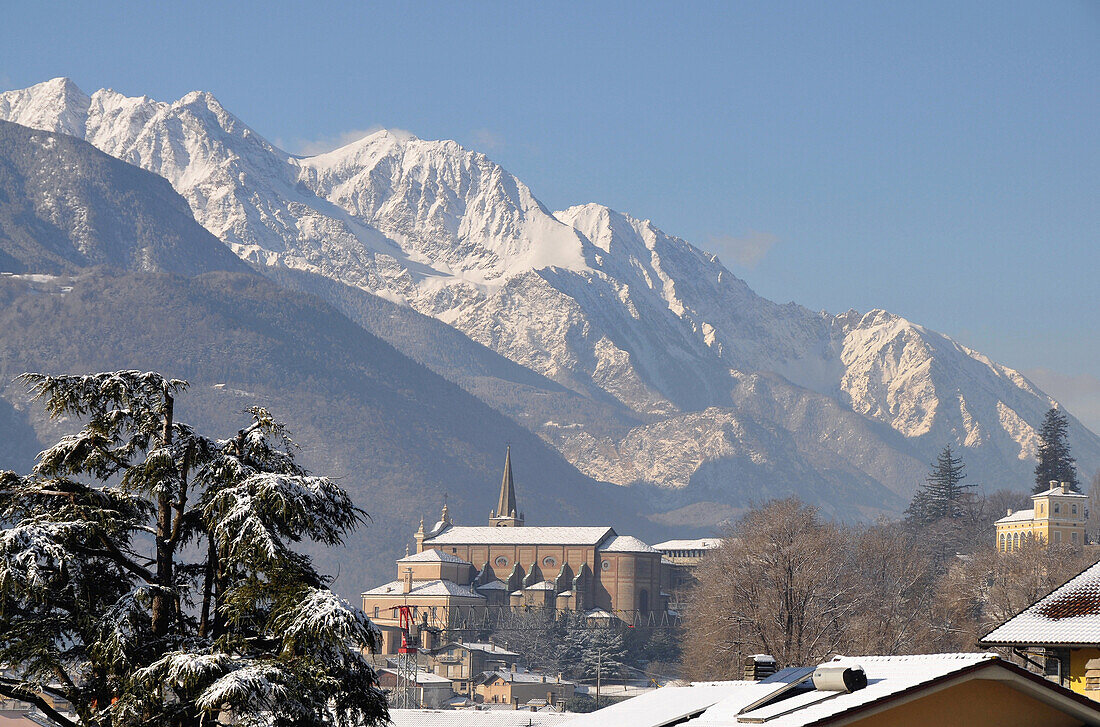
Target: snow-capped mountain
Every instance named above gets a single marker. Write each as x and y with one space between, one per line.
719 392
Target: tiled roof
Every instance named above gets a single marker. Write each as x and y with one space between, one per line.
1018 516
1070 614
434 555
626 544
536 535
697 544
425 588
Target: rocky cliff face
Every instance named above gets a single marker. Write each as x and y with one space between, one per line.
705 387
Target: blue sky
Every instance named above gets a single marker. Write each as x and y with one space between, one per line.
940 160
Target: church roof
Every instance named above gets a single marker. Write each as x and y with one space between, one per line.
425 588
539 535
433 556
541 586
626 544
492 586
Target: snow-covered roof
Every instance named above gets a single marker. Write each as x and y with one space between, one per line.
541 586
534 535
521 677
425 588
508 717
597 613
493 586
697 544
433 555
1018 516
626 544
1057 490
423 677
1070 614
888 678
487 648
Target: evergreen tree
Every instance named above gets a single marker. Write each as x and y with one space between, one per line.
147 574
943 492
1055 461
589 650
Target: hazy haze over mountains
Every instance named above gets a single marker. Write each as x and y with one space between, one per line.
638 356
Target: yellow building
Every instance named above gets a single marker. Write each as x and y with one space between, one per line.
1060 633
1058 516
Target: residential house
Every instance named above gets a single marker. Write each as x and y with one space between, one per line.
432 691
1058 515
463 661
1060 633
521 688
975 690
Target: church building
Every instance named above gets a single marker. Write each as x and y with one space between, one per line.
468 571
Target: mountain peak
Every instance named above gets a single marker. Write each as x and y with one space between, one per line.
55 105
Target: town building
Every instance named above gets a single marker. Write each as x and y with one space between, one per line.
679 560
431 691
466 574
462 662
519 689
1060 633
1058 516
976 690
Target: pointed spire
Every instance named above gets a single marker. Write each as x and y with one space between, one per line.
506 504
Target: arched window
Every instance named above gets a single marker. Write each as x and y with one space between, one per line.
1002 542
643 602
1074 510
1015 541
1057 508
376 611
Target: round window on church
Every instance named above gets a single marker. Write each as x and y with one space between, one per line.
501 561
550 561
606 565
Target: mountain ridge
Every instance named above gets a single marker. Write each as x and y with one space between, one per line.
600 302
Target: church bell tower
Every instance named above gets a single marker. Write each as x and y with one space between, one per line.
506 515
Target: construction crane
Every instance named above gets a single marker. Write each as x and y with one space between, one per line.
406 696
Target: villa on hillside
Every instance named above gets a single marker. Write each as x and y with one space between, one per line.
1058 516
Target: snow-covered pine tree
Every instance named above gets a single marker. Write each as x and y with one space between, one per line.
588 650
942 494
1055 461
147 575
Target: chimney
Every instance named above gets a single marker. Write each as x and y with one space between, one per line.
1009 512
1065 487
759 666
407 583
1053 484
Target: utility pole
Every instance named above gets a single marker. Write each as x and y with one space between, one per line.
599 668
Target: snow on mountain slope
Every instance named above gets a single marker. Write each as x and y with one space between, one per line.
600 302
